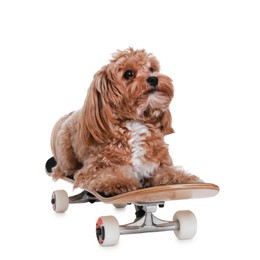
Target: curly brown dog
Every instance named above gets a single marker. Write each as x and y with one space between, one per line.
115 143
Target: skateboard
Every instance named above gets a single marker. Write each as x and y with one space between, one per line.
146 201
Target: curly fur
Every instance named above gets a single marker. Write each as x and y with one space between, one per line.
115 143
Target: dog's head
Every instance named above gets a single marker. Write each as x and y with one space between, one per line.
130 87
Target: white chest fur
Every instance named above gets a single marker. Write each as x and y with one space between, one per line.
141 167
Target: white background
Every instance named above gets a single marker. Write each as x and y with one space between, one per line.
49 51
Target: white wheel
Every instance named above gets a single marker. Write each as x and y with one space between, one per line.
107 231
187 224
119 206
60 201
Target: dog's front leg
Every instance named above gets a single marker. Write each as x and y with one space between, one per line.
169 175
107 181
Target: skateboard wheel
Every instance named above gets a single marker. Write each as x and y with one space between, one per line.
187 224
60 201
107 231
119 206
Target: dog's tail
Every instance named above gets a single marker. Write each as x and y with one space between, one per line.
49 165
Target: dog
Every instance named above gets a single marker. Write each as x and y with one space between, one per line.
115 142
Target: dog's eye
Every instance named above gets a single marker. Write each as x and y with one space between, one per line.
129 74
151 69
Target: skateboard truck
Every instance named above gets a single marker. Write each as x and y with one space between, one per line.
108 230
148 222
83 197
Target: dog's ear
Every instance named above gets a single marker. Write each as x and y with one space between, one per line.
166 123
96 120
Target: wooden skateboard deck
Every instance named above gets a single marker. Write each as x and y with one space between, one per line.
160 193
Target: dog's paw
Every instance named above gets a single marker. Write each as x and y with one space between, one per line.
193 179
173 175
114 188
105 183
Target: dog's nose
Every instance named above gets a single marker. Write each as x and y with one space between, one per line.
153 81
